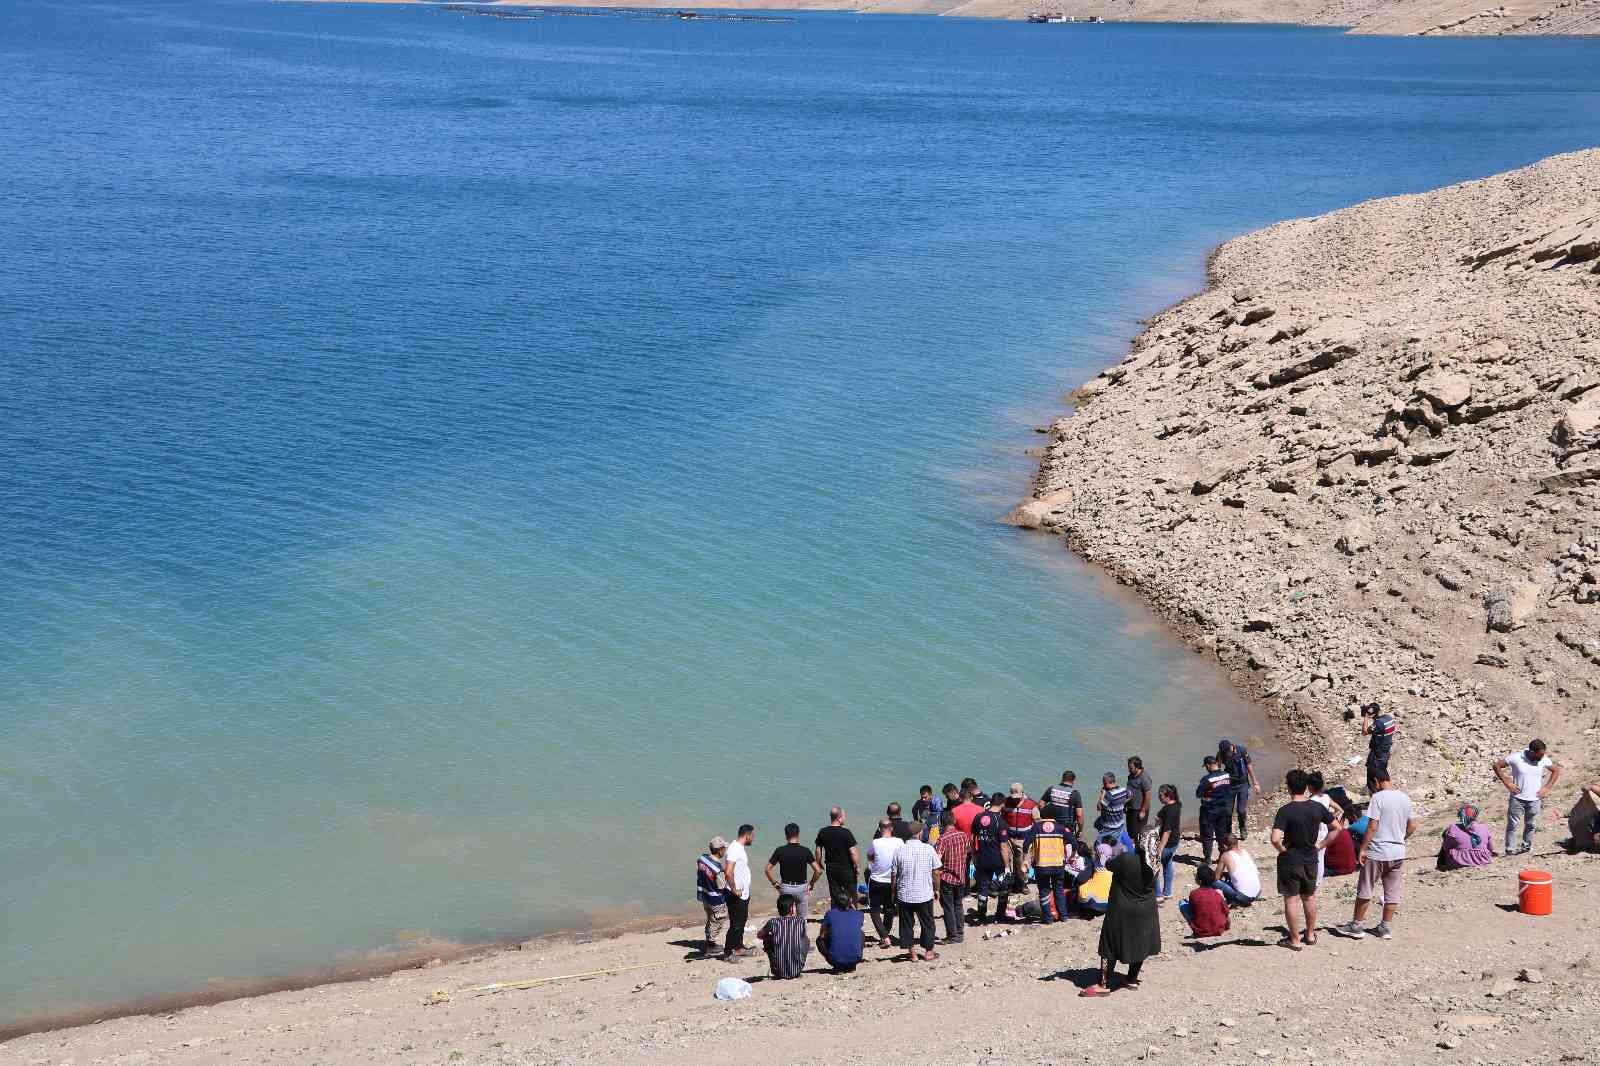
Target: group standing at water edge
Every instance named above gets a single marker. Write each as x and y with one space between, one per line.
963 844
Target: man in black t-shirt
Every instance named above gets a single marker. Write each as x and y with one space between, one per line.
838 855
797 869
1294 835
990 856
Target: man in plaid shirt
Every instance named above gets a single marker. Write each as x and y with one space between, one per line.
953 847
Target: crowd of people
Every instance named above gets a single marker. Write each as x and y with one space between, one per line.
1111 857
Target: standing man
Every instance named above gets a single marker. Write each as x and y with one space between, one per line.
1141 790
968 809
1379 728
989 856
708 889
837 854
881 851
1241 777
892 812
954 848
1390 822
736 871
1050 838
797 870
1066 799
1021 811
1215 794
925 812
1113 807
914 866
1528 775
1294 837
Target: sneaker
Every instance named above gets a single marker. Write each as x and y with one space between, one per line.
1351 929
1383 932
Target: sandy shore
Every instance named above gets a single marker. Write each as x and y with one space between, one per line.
1453 18
1385 487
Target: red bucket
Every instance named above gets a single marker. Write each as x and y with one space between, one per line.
1536 891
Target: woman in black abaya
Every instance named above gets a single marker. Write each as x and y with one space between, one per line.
1131 929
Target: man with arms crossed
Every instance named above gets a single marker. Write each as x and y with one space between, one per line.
1390 822
1294 837
1529 776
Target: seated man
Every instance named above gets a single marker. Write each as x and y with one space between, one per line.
1239 880
784 937
1205 910
841 941
1467 843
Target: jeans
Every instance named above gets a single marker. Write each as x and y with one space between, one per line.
738 914
823 951
1522 814
801 894
953 901
1187 912
1241 804
1166 871
922 914
1234 897
1052 887
881 907
716 924
1214 825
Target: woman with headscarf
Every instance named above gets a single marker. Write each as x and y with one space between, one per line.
1467 843
1131 931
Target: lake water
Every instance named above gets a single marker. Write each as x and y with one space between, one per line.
454 466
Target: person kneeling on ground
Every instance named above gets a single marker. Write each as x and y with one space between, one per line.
1467 843
841 941
1205 910
785 940
1239 880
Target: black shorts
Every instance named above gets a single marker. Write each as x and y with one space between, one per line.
1297 877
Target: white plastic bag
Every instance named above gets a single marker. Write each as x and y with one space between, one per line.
731 988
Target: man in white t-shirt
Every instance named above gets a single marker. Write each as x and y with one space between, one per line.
736 868
1390 823
1529 776
881 905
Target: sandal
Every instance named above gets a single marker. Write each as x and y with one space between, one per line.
1094 992
1290 944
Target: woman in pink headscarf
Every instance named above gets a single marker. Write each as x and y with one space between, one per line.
1467 843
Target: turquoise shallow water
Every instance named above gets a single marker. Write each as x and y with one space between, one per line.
453 466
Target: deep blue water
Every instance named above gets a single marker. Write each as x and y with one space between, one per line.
451 467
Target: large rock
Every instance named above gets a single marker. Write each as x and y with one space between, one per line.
1581 418
1031 514
1445 391
1510 606
1355 537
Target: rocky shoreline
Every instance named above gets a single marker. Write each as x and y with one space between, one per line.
1364 464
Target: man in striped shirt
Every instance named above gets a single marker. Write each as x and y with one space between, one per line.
785 940
1112 825
708 890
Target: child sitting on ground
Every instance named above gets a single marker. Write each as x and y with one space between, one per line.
1205 910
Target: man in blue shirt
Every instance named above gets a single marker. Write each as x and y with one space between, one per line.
841 941
1216 806
1380 729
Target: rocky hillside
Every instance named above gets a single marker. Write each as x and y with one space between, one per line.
1365 464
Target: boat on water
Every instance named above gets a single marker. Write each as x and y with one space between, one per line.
1048 17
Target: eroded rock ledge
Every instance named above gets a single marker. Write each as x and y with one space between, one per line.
1365 464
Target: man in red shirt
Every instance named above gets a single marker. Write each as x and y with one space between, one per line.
965 811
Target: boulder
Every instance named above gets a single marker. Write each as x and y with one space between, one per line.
1510 606
1355 537
1579 420
1445 391
1581 817
1031 514
1257 314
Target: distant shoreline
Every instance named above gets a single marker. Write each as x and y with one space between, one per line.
1377 18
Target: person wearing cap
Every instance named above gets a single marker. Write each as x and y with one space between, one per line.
1020 811
1241 776
709 890
1528 775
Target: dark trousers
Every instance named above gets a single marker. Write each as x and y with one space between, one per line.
953 901
1052 890
738 914
841 878
881 907
1214 825
922 913
1373 767
823 951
